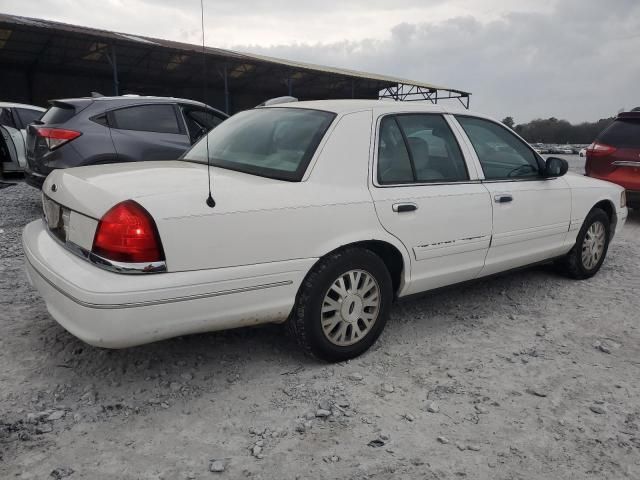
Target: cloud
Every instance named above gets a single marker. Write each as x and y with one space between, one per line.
576 62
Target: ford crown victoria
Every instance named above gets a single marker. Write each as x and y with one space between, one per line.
324 212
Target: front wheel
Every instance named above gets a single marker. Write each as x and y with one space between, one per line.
343 305
592 243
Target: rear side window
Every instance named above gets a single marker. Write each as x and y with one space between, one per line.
394 164
58 114
622 134
28 116
434 149
419 148
146 118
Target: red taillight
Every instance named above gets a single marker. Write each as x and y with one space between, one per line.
600 149
127 233
56 137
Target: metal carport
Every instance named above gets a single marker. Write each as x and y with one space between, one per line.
42 60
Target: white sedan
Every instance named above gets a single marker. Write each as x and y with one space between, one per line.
325 212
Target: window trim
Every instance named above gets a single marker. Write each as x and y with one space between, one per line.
113 124
416 183
537 156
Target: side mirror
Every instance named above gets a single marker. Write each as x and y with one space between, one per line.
555 167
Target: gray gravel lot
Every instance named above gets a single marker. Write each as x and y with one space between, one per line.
528 375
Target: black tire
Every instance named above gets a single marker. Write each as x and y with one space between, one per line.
572 265
305 320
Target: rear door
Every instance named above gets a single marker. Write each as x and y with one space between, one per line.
429 197
148 132
531 214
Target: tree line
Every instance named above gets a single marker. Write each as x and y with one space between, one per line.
552 130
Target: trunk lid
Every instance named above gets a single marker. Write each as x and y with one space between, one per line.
166 188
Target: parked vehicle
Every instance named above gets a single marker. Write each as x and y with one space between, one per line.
130 128
615 155
561 150
325 212
583 152
14 118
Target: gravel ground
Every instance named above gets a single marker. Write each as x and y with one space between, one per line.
529 375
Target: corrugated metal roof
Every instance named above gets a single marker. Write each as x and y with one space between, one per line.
351 73
385 80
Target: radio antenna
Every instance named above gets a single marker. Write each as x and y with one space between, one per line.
210 201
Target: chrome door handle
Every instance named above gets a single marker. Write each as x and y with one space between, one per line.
503 198
404 207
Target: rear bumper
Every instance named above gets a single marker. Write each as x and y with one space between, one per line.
112 310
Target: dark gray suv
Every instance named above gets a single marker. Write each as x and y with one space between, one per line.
88 131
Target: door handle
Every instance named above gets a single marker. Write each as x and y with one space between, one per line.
503 198
404 207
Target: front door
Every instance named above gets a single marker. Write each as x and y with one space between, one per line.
531 214
427 196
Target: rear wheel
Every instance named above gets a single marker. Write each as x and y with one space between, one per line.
586 257
343 305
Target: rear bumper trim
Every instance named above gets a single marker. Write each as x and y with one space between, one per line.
159 301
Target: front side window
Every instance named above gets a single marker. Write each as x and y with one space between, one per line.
419 148
276 142
199 121
502 155
146 118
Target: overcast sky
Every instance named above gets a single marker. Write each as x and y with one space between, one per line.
573 59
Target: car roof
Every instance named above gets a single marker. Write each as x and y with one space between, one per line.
21 105
124 99
379 106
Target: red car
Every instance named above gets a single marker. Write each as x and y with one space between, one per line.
615 155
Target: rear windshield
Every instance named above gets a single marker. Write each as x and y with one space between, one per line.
270 142
57 114
622 134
